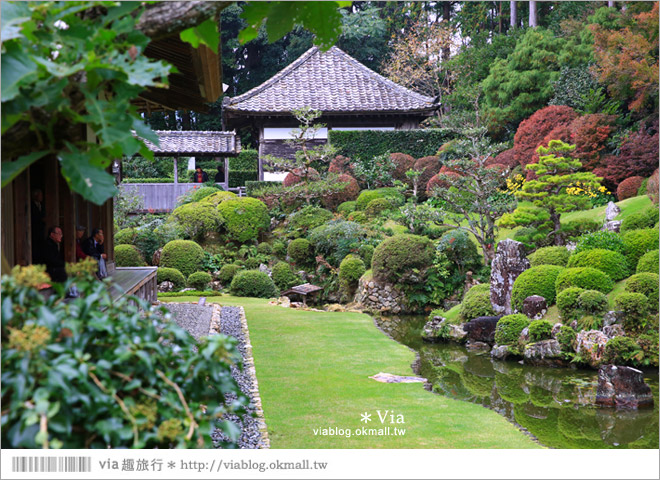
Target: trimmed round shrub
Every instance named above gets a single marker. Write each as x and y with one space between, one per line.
125 236
198 219
535 281
402 163
639 220
350 270
628 188
184 255
307 218
358 217
245 218
377 206
301 251
337 238
218 197
584 277
566 337
593 302
199 280
350 192
649 262
392 194
283 276
621 351
647 284
347 207
295 176
652 215
279 249
460 250
264 248
540 330
567 303
612 263
128 256
601 239
476 302
633 305
252 263
509 327
429 166
550 256
397 258
200 193
366 252
253 283
166 274
340 164
227 273
638 242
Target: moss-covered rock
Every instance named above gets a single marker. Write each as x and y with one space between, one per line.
184 255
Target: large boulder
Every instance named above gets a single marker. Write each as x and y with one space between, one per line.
612 211
612 226
612 331
482 329
432 329
535 307
622 387
544 353
591 345
509 262
457 333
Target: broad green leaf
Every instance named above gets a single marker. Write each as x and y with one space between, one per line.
11 170
93 183
144 131
12 15
58 69
205 33
16 66
254 13
323 20
281 19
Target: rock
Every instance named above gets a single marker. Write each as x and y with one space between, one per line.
457 333
431 331
449 304
509 262
524 336
500 352
571 246
215 285
391 378
296 305
482 329
612 226
188 289
612 331
284 302
574 325
591 345
543 353
612 211
216 275
265 269
165 286
155 259
622 387
477 346
612 317
555 329
535 307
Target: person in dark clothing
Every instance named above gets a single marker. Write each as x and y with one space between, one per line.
220 176
38 224
54 255
93 247
200 176
80 255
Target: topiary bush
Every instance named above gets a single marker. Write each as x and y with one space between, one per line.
649 262
218 197
638 242
166 274
567 337
227 273
628 188
392 194
633 305
358 217
377 206
198 219
253 283
402 259
509 328
283 276
612 263
647 284
307 218
568 304
347 207
584 277
540 330
476 302
647 218
622 351
184 255
198 194
601 239
125 236
535 281
245 218
350 270
264 248
199 280
128 256
279 249
338 238
550 256
350 192
301 252
593 302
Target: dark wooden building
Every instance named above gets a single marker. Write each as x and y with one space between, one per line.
350 96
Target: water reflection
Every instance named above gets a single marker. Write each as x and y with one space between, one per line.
553 404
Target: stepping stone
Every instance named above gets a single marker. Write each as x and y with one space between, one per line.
391 378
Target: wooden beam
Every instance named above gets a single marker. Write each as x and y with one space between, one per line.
22 220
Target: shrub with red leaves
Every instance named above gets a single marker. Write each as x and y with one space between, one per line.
437 182
628 188
652 187
350 192
341 164
589 133
503 158
294 177
532 132
402 163
429 166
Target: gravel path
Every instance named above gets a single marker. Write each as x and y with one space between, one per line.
196 319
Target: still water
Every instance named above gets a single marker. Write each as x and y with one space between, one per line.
555 405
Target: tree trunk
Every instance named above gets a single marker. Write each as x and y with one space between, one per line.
611 4
533 21
555 218
514 14
163 19
446 16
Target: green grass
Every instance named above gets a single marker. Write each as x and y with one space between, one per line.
313 370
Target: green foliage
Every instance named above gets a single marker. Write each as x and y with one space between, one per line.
150 238
647 218
371 143
638 242
283 276
540 330
550 256
279 248
584 277
128 256
509 328
634 307
338 238
622 351
476 302
253 185
247 160
125 236
649 344
612 263
589 322
459 250
139 168
377 206
227 273
306 219
593 302
358 217
366 252
391 194
253 283
148 180
218 197
571 86
648 262
103 372
245 218
566 337
184 255
264 248
166 274
602 239
374 171
347 207
301 252
568 303
647 284
199 280
238 178
535 281
350 270
403 259
197 194
198 219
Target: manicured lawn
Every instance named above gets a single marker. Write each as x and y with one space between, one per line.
313 370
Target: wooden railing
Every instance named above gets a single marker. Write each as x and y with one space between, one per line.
161 197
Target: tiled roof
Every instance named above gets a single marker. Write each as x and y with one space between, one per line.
303 289
333 82
174 142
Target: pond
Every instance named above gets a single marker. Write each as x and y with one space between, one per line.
555 405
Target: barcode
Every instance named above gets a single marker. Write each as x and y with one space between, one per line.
51 464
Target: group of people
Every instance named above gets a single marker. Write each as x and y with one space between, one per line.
200 176
53 255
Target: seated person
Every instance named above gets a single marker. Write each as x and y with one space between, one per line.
200 176
54 255
93 247
80 255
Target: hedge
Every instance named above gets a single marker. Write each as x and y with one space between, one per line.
649 262
638 242
247 159
245 218
148 180
238 178
199 280
253 283
399 257
252 185
645 283
370 143
509 328
568 303
128 256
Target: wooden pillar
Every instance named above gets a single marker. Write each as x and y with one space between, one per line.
7 229
514 14
261 142
51 191
67 220
226 160
533 19
22 220
176 170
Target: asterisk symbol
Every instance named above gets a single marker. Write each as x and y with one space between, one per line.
171 465
366 417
